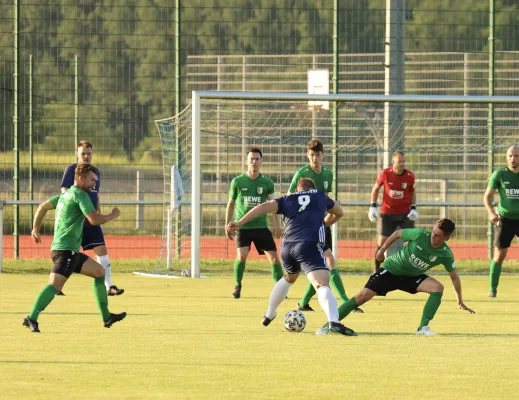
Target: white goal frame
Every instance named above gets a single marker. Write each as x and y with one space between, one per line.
197 97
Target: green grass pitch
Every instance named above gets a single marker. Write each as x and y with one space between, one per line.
189 339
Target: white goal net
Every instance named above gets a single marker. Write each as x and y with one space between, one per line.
445 139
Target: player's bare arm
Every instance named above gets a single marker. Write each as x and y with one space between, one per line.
374 193
99 219
390 240
269 207
229 212
487 201
456 283
38 217
277 226
334 214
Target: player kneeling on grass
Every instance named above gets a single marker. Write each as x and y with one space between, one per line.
302 246
72 207
405 271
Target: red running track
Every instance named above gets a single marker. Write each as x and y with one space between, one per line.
121 247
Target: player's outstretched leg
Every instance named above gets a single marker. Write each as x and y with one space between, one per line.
429 310
329 304
278 294
44 298
336 281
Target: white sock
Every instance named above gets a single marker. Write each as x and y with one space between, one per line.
279 293
105 262
328 302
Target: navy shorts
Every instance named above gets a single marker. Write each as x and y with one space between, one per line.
307 256
92 237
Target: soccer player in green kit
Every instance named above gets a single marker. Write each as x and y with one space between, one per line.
506 182
406 269
247 191
72 207
323 179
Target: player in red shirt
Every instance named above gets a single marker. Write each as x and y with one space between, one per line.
398 201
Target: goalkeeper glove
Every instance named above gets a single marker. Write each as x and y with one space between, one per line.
372 213
413 214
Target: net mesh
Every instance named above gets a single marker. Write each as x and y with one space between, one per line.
446 146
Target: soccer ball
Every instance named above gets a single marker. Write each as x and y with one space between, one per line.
186 273
295 321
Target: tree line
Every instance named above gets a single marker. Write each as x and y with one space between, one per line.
126 53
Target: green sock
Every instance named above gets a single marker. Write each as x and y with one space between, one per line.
277 272
495 272
101 297
309 292
336 281
42 301
345 309
239 269
430 308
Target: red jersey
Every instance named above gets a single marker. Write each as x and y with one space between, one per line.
398 190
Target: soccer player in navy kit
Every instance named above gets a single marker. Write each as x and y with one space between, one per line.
302 246
93 238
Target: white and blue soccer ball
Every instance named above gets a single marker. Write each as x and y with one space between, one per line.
295 321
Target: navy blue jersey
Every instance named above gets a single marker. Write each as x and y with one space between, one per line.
68 181
304 213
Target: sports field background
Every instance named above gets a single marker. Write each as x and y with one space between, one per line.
124 247
189 339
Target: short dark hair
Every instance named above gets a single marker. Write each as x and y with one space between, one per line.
446 225
84 143
83 170
254 150
315 145
305 184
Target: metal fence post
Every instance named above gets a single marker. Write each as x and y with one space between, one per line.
139 214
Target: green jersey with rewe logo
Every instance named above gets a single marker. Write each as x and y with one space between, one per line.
323 181
248 193
418 255
71 208
506 183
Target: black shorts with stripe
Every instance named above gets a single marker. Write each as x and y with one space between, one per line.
67 262
382 282
504 232
261 237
